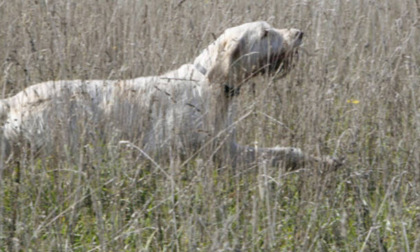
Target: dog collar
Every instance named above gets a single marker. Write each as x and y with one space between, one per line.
231 91
200 68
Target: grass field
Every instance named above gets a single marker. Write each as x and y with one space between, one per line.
354 94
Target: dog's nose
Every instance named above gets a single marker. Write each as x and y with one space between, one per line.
299 35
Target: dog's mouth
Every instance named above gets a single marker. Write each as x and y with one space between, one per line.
280 63
299 40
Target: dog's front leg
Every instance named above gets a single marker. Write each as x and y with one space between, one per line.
290 157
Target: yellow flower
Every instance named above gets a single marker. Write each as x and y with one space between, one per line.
353 101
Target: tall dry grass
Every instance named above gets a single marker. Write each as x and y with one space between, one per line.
354 94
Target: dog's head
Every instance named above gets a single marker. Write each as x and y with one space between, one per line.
253 48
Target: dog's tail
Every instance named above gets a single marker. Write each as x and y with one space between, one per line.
4 145
4 111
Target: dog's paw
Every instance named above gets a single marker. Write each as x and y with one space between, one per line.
334 162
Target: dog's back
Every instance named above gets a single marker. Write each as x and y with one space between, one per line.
152 111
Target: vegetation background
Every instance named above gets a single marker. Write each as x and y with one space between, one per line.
355 93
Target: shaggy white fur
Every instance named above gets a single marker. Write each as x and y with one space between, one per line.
183 109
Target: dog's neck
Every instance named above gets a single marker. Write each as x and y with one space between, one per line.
229 90
200 68
207 57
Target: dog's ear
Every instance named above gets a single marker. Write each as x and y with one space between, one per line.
228 51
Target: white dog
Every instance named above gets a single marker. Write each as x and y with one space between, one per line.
185 109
